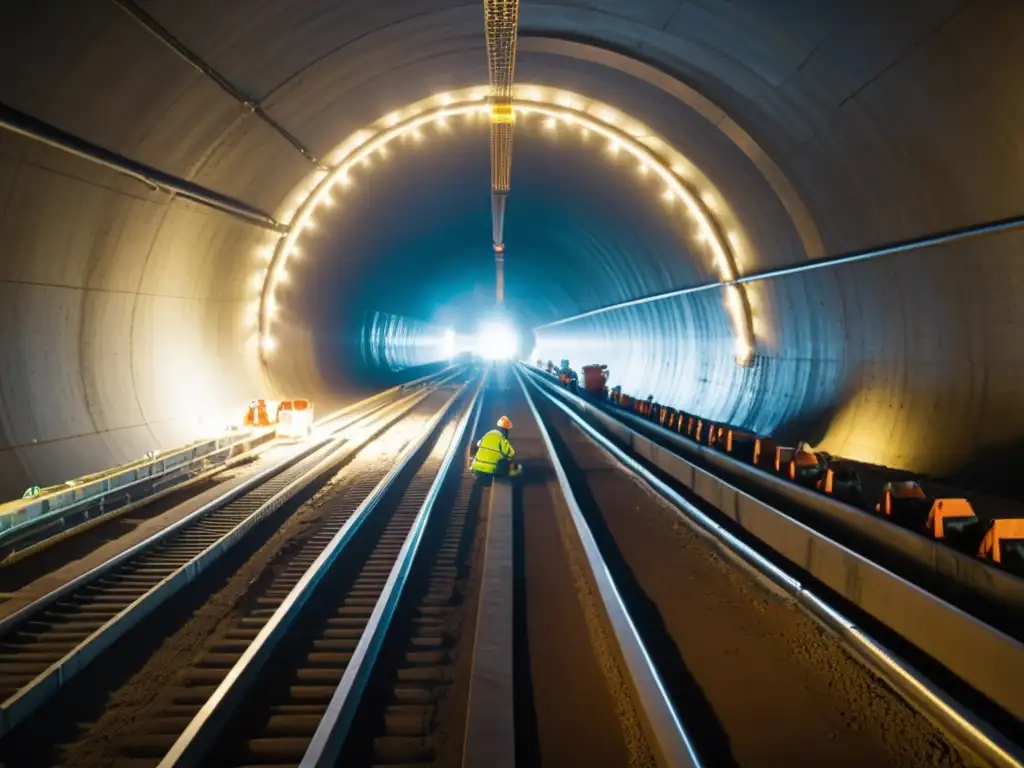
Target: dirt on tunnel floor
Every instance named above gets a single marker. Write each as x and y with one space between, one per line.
756 680
567 711
113 704
80 551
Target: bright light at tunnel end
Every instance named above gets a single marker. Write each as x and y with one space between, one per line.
449 348
496 340
622 133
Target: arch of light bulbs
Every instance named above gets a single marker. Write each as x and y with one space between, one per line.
558 108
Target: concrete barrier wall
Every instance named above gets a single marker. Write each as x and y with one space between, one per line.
985 658
953 574
94 489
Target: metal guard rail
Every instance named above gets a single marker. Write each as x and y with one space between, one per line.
82 493
995 595
93 489
45 685
325 747
983 657
199 735
667 735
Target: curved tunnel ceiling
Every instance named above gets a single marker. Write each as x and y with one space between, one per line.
821 127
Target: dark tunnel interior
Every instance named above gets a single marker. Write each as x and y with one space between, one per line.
410 239
803 130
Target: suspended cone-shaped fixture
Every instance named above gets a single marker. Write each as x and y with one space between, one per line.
501 23
498 217
499 271
498 236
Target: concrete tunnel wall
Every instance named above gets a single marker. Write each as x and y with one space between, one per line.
121 308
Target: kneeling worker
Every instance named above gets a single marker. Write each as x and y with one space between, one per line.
494 453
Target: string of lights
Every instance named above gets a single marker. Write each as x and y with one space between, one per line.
621 136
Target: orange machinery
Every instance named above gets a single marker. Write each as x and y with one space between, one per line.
955 521
1003 543
807 466
949 519
595 380
261 413
295 418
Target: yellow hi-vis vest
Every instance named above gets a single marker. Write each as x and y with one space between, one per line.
491 448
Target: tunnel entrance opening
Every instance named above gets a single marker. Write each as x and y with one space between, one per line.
621 135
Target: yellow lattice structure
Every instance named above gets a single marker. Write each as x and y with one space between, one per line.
501 23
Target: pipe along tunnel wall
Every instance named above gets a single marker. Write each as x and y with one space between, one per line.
828 125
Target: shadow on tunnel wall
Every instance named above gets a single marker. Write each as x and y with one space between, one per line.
812 425
888 120
995 470
358 353
808 426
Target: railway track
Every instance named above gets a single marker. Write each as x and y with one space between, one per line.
348 649
26 541
920 544
764 679
413 708
48 642
285 686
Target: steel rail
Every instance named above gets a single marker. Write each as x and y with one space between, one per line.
192 745
178 475
668 737
330 735
46 684
964 725
476 418
988 593
158 491
360 410
438 378
35 129
171 478
489 734
902 246
85 483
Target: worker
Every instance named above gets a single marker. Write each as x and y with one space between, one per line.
494 453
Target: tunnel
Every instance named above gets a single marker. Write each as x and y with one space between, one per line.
660 146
